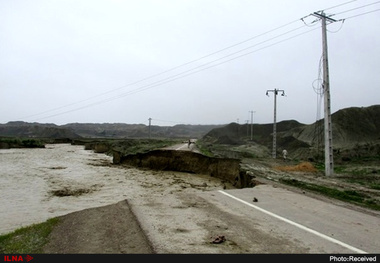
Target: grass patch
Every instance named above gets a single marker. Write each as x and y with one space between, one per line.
7 143
370 182
365 176
27 240
375 186
203 148
350 196
134 146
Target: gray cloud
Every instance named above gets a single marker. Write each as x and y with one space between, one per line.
195 62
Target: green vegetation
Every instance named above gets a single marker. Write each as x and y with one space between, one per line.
124 146
6 143
27 240
350 196
146 145
364 178
357 172
228 151
203 148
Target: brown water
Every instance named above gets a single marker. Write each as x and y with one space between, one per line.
38 184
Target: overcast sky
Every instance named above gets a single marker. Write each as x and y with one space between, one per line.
183 61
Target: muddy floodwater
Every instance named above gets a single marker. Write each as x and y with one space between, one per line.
38 184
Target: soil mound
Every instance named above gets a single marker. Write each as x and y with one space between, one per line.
302 167
227 169
85 232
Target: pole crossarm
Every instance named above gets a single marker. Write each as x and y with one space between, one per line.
275 91
322 15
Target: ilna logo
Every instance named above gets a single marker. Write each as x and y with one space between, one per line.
8 258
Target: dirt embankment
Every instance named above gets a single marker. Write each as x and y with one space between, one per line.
85 231
226 169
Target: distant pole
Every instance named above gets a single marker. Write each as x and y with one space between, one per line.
150 119
275 91
252 124
329 162
237 126
247 128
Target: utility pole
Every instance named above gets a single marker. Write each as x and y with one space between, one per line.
247 127
150 119
329 162
237 126
275 91
252 124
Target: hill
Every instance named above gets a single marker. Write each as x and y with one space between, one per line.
123 130
354 130
236 134
35 130
101 130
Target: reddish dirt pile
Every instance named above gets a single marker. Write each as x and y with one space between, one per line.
302 167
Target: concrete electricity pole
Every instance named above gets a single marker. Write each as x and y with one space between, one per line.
150 119
247 127
275 91
252 124
329 162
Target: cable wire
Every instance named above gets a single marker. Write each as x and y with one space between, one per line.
175 77
210 64
339 5
163 72
362 14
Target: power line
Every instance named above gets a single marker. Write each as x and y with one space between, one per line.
362 14
345 11
339 5
356 8
185 73
210 64
164 72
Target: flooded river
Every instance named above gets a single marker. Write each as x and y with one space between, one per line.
38 184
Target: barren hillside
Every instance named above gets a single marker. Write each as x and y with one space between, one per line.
355 130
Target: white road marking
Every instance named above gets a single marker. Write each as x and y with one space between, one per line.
296 224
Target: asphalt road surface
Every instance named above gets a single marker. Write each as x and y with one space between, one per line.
185 146
316 224
313 223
